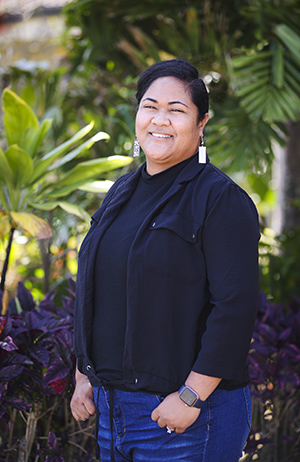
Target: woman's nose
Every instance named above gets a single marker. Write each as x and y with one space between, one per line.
161 118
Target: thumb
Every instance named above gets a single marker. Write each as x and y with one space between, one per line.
90 406
155 415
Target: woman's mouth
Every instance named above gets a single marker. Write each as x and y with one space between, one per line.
160 135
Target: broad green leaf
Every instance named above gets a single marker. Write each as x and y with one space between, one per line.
6 173
4 224
93 168
243 61
73 209
3 200
259 66
292 70
278 65
245 90
42 165
34 225
33 140
97 186
18 118
44 206
290 39
21 165
75 152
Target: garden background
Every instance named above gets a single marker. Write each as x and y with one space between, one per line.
68 71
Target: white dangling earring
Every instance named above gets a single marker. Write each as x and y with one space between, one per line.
202 152
136 148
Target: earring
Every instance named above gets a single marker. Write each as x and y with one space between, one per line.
202 152
136 148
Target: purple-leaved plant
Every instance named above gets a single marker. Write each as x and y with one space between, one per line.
275 378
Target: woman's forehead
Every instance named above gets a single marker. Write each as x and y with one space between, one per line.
169 89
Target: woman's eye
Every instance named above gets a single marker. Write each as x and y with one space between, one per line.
148 106
177 110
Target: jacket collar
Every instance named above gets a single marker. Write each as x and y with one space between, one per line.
192 169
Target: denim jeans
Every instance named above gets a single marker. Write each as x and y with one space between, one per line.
218 435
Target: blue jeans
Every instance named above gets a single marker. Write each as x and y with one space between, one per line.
218 435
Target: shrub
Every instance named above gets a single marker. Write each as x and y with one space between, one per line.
275 379
37 379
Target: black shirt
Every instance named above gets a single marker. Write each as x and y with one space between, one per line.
109 316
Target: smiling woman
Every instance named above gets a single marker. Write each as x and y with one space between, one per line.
167 292
167 125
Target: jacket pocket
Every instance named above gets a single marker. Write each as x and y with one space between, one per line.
179 225
172 249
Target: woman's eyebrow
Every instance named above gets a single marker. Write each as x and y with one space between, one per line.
150 99
171 102
177 102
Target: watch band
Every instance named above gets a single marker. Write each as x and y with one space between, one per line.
190 397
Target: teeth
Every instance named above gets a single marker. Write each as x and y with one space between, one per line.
160 135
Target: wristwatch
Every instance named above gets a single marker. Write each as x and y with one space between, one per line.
190 397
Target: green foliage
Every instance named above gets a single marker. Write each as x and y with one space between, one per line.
246 53
31 180
279 256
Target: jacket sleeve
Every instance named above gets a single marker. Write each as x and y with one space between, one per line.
230 245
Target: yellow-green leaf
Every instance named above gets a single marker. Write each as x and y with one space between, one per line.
34 225
18 118
75 152
4 224
21 165
93 168
6 173
34 139
48 159
74 209
97 186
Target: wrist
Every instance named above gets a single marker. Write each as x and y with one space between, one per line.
81 378
203 385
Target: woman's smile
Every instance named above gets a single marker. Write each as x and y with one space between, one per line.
160 136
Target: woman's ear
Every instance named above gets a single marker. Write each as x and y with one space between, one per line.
202 124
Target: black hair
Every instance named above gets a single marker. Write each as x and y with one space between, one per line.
183 71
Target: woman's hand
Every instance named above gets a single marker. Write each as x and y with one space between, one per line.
82 402
173 413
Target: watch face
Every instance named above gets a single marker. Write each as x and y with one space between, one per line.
188 396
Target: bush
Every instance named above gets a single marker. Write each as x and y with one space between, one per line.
275 379
37 380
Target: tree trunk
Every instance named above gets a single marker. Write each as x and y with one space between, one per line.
291 183
5 265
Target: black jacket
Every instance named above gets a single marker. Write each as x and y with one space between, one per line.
192 287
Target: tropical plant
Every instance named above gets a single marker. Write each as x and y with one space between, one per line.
31 180
248 53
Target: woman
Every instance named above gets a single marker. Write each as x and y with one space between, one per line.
167 292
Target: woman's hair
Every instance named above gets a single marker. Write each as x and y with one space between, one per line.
183 71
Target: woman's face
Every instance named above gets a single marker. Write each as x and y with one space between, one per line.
166 124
